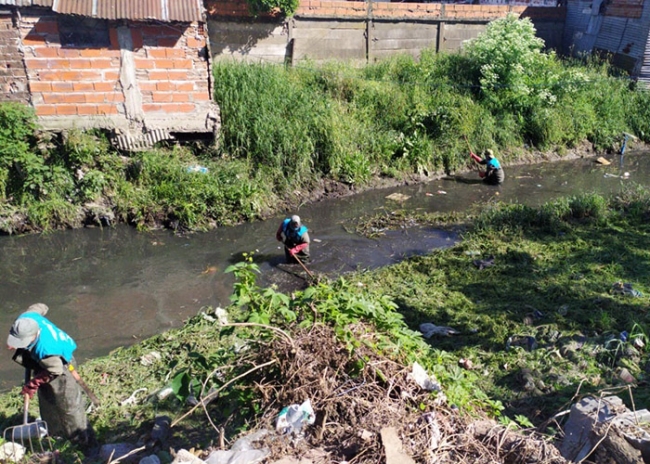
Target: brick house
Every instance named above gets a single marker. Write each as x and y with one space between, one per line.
136 68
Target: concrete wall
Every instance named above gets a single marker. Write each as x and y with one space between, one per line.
13 78
360 32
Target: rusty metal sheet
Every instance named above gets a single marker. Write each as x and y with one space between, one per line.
23 3
159 10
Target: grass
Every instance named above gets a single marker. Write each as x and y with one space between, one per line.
541 327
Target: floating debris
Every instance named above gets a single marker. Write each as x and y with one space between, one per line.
603 161
397 197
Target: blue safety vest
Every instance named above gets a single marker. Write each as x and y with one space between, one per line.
494 163
52 341
292 234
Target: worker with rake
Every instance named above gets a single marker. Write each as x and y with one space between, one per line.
296 239
44 349
493 174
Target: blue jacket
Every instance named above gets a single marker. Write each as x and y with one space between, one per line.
292 235
52 341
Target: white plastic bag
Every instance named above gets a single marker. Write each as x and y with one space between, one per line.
293 418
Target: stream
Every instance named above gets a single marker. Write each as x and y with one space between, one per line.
112 287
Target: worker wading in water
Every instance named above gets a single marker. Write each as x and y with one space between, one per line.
295 237
493 174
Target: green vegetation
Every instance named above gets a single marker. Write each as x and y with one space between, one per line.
286 130
539 327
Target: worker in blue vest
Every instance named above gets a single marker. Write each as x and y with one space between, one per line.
493 174
46 351
295 237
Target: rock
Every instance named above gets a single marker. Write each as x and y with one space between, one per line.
152 459
11 452
393 447
185 457
112 451
605 427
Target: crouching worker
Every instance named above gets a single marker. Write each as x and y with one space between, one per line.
295 237
46 351
493 174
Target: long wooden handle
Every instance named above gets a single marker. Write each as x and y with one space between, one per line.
83 385
26 408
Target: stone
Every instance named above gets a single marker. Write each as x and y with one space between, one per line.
393 447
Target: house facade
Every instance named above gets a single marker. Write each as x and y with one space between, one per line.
138 69
618 28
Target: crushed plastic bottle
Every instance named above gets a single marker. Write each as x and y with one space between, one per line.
293 418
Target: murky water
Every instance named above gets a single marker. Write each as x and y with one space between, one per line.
113 287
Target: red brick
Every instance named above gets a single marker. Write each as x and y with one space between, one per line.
151 108
45 52
175 53
164 86
62 87
180 97
115 97
157 53
104 86
33 39
178 75
78 63
111 75
158 75
40 86
106 109
185 87
83 86
164 64
147 86
103 63
99 53
144 64
94 97
183 64
46 110
87 109
62 97
66 110
200 96
195 43
69 53
159 97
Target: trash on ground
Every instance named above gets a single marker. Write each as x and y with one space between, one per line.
466 364
317 240
625 289
525 341
429 330
293 418
197 168
186 457
483 263
133 398
441 192
397 197
472 253
603 161
242 451
426 382
150 358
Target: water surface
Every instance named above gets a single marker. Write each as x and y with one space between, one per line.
112 287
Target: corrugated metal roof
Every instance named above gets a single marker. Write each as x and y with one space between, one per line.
46 3
161 10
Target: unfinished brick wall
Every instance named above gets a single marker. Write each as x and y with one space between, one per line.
13 78
170 67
